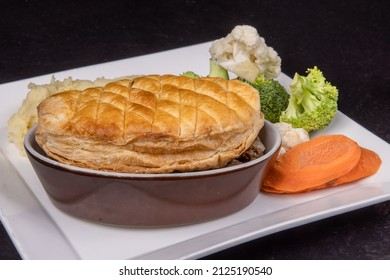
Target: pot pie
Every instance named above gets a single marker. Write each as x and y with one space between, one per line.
151 124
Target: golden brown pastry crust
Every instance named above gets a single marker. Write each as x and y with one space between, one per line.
152 124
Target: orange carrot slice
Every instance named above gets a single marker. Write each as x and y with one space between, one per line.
313 163
368 165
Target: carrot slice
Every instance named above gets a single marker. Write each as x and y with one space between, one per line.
368 165
313 163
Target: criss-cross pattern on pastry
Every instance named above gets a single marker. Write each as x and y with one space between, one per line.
150 122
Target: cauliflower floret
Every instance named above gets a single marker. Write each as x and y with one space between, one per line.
291 136
245 53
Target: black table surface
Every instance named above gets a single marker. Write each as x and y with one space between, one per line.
348 40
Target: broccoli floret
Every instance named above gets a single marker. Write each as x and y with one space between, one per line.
313 101
214 71
273 97
190 74
217 70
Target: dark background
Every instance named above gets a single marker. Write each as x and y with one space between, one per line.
347 40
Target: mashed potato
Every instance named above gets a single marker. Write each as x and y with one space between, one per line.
26 117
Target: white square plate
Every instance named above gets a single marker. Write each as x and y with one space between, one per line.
41 231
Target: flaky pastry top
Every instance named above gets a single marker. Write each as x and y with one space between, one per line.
143 124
